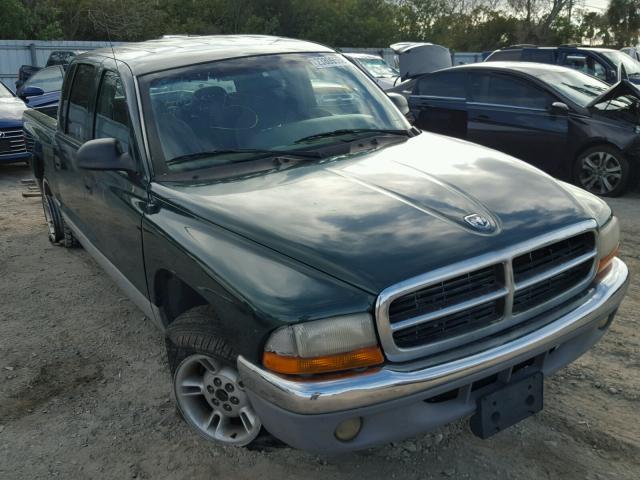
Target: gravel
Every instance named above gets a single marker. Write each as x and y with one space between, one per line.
84 388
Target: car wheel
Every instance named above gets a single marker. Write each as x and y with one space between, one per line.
602 170
206 385
69 240
52 216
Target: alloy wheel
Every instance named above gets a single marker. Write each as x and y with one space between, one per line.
213 400
600 172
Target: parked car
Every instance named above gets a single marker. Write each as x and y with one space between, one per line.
58 57
569 124
633 52
42 90
606 64
384 74
335 276
12 142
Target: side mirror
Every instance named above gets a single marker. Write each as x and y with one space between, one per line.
31 92
399 101
104 154
559 108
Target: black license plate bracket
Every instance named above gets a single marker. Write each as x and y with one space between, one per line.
509 405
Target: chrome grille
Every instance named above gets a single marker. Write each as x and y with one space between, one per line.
11 141
456 305
29 142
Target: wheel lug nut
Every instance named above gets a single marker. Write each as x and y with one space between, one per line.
217 382
227 407
229 388
210 389
215 402
235 400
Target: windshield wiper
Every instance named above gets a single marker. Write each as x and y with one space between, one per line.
347 131
264 153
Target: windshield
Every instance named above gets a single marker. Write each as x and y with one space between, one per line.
242 107
48 79
4 92
378 67
631 66
578 87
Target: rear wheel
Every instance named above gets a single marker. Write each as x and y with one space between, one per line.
602 170
208 391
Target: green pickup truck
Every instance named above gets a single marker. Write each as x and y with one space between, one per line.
322 270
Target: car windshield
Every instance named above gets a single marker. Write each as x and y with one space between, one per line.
4 92
378 67
577 86
233 110
631 66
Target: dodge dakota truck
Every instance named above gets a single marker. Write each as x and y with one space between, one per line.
320 269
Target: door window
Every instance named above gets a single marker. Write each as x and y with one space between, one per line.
48 79
79 99
445 84
503 90
586 64
112 117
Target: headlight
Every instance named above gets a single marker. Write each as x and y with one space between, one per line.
330 345
608 243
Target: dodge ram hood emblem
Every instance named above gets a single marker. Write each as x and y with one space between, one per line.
478 222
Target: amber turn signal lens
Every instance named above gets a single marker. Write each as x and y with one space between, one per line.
606 261
363 357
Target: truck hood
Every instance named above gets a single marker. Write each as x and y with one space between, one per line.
376 218
11 110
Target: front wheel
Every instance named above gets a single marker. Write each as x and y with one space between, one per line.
602 170
208 391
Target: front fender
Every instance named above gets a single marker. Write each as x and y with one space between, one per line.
252 288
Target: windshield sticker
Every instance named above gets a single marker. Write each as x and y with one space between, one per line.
328 62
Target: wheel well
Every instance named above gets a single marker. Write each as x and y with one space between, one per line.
174 296
596 142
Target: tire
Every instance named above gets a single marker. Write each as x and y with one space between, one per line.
55 224
602 170
68 239
207 390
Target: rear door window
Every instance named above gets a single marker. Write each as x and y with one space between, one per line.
112 116
80 97
505 55
586 64
498 89
443 84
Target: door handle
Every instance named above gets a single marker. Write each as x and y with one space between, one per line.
483 117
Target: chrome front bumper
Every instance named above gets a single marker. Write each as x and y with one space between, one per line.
315 397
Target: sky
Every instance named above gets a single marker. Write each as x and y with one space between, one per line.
597 5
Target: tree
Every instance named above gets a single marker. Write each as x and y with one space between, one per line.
624 21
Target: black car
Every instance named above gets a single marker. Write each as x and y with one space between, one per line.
569 124
607 64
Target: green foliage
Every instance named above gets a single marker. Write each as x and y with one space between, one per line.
624 21
463 25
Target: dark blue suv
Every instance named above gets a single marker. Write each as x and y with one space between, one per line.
603 63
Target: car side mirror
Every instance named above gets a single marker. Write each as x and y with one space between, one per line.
399 101
559 108
104 154
31 92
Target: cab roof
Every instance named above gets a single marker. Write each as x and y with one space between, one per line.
178 51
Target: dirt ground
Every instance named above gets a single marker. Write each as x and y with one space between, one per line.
84 388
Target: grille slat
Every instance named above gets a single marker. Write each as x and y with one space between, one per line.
12 141
424 316
445 293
